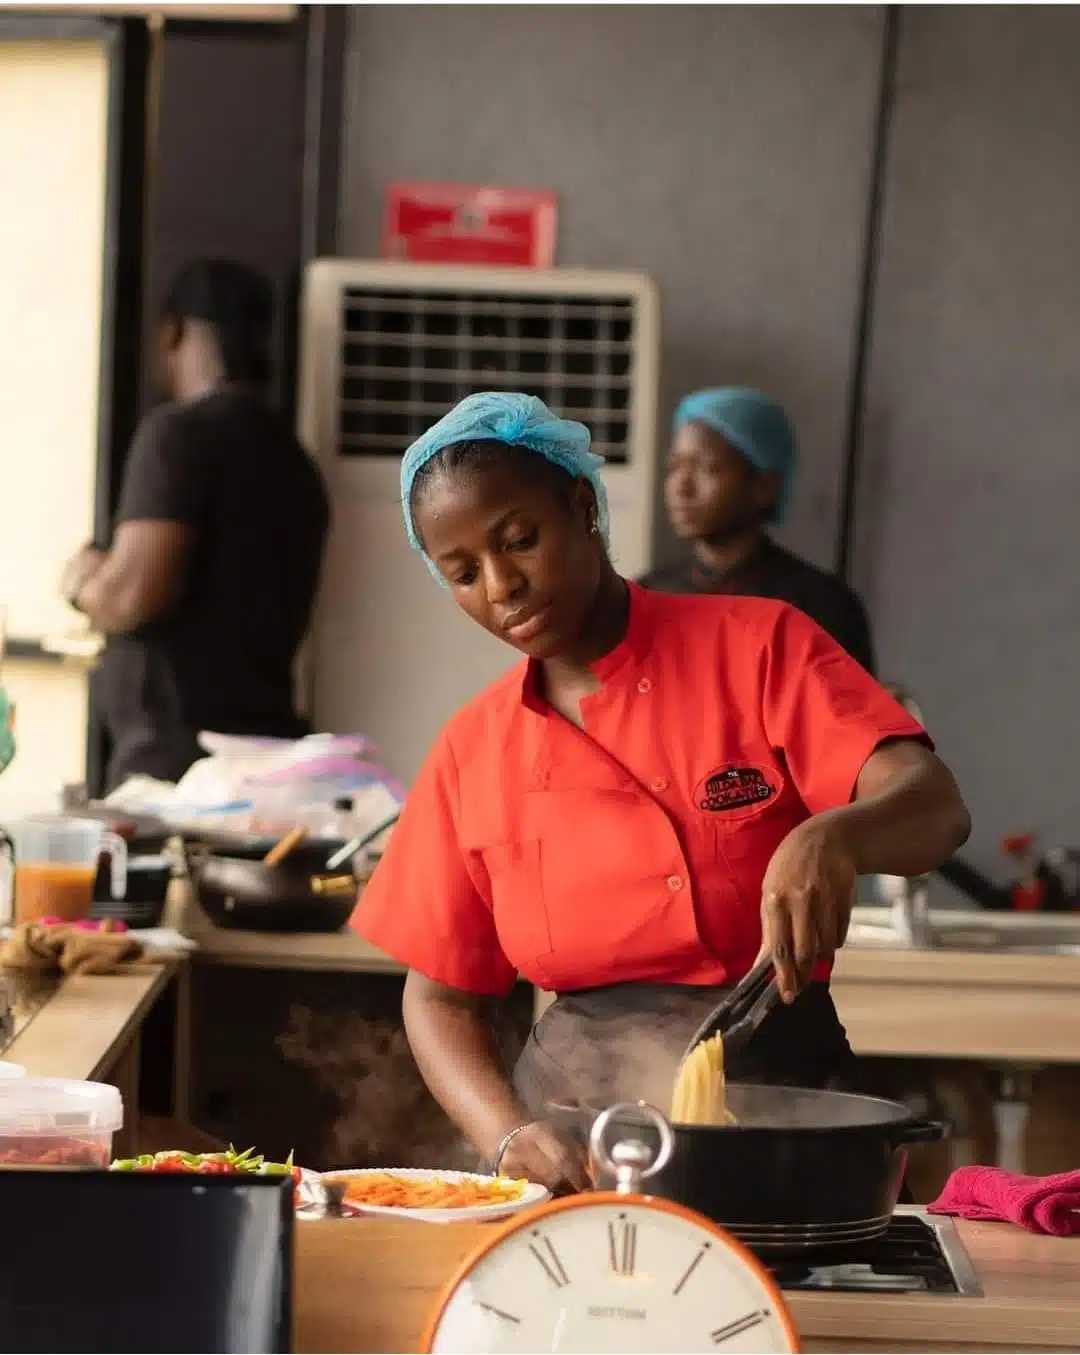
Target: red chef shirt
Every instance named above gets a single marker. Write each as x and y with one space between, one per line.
632 850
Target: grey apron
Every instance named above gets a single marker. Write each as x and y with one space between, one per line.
624 1042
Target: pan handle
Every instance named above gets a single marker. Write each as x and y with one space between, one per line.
195 856
923 1131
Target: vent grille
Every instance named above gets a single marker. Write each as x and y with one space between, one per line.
407 356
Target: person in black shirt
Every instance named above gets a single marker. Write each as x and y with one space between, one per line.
206 589
729 474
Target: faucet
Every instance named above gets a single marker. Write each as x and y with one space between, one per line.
910 913
910 898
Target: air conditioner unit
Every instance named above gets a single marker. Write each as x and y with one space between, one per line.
386 349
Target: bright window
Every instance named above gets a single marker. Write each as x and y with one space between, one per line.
53 160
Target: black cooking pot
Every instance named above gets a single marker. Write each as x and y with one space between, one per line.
800 1171
240 892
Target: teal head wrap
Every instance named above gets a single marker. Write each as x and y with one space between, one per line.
518 421
756 427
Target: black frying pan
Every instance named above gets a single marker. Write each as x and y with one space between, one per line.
238 891
801 1171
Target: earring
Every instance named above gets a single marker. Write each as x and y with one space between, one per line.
594 528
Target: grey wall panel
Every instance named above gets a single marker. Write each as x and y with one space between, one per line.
229 153
967 545
724 150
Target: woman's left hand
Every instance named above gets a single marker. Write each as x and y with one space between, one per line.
806 899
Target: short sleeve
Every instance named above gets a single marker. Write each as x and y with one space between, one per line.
163 478
824 711
422 904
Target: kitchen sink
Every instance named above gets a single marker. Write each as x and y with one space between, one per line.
1000 933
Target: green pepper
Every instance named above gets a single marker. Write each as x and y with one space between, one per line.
247 1161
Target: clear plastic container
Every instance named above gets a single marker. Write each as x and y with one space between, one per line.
57 1122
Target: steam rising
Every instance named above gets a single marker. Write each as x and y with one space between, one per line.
628 1057
387 1116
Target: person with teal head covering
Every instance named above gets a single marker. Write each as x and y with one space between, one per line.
628 816
730 476
507 420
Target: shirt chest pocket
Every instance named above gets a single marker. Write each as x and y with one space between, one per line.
573 852
517 905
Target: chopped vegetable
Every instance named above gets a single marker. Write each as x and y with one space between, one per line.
386 1190
228 1163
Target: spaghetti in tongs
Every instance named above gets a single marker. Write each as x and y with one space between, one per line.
699 1096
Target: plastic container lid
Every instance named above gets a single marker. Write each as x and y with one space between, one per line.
60 1106
12 1070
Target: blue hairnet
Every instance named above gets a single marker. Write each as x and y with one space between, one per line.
517 421
755 425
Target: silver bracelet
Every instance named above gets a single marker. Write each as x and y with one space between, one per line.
504 1143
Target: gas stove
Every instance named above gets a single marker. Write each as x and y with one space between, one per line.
920 1253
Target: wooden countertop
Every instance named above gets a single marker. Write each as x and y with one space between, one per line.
342 951
959 1004
895 1003
369 1286
88 1022
897 965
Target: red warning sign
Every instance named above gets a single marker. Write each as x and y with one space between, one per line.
463 223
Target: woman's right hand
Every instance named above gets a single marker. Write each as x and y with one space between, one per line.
541 1154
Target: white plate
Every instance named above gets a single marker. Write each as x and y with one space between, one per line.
532 1194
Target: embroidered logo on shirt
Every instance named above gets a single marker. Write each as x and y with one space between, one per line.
733 788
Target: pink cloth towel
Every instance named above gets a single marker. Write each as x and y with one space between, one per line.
1042 1204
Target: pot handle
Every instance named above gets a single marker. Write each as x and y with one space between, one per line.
923 1131
631 1160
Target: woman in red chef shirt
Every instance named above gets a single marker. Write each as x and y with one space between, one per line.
666 787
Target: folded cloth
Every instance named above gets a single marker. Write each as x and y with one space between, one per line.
41 949
1042 1204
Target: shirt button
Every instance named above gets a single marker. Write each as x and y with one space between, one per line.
658 784
644 685
674 882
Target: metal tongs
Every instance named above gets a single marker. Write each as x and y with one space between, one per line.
737 1016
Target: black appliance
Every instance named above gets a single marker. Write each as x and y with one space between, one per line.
138 1262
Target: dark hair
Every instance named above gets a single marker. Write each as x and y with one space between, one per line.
483 454
237 302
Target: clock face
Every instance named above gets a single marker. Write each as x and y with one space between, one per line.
621 1276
